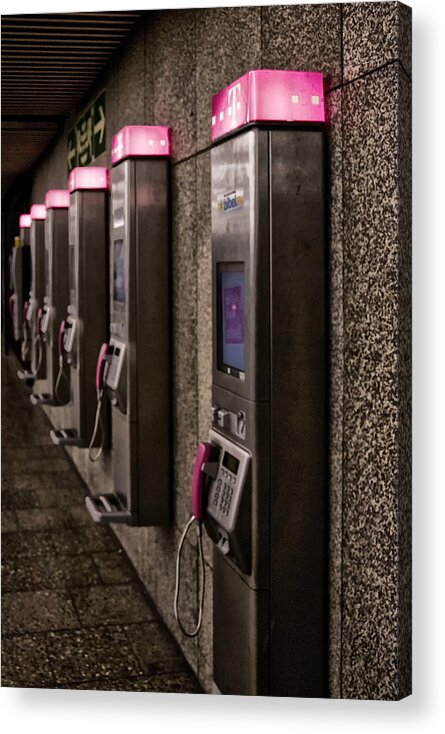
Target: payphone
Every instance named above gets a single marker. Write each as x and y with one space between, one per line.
84 327
32 343
20 276
55 302
16 297
260 481
133 369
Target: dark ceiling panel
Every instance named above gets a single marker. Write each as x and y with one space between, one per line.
49 62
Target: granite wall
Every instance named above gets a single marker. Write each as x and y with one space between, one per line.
166 74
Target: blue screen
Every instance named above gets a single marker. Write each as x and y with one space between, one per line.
232 318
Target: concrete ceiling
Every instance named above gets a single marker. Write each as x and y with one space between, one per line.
48 64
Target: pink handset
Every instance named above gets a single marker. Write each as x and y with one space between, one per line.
39 320
198 480
61 335
11 306
101 366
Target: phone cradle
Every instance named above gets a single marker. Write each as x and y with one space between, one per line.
64 437
43 398
107 508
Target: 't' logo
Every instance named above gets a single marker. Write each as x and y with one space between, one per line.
234 101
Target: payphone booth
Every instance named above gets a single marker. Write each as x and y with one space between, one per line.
84 328
56 299
31 343
133 370
263 471
20 276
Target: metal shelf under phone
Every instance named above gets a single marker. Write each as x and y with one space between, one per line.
44 398
65 437
108 508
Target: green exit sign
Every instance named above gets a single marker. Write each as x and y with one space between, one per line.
86 139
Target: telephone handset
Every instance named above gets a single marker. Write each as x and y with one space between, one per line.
203 468
199 480
25 338
46 313
100 367
60 348
39 322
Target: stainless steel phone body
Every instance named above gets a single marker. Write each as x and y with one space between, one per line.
269 271
87 322
20 276
36 296
22 279
137 378
55 304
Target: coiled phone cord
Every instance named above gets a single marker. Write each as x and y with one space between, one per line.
97 423
194 632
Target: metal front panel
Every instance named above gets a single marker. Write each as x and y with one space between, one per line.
139 376
37 293
240 235
56 294
88 261
26 269
38 260
17 279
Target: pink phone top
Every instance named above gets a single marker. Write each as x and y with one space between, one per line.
88 178
57 199
266 95
38 211
100 367
25 221
198 480
140 141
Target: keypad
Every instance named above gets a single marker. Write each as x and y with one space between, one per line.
225 485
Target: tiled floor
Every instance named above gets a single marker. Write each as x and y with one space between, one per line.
74 614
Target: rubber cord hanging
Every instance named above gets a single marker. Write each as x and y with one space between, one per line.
38 345
194 632
25 341
60 374
97 423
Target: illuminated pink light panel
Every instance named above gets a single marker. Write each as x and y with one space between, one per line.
25 221
57 199
88 178
140 140
268 96
38 211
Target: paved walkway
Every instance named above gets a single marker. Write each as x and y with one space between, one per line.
74 614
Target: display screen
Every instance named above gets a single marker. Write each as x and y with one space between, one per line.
232 318
230 463
119 272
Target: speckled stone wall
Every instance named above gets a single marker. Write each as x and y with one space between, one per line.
166 74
